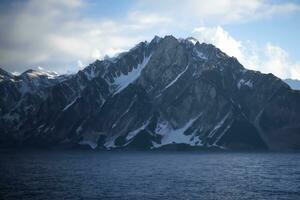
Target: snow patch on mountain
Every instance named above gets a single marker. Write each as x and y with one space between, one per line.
170 136
70 104
124 80
221 135
127 110
177 77
192 40
199 54
132 134
92 144
90 138
218 125
243 82
110 142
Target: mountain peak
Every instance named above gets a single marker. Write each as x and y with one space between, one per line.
40 72
156 39
169 91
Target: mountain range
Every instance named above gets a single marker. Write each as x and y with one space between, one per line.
168 93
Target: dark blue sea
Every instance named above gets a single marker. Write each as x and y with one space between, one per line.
66 174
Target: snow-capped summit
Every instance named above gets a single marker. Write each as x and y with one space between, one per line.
40 72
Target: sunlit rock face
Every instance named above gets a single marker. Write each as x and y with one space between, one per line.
167 93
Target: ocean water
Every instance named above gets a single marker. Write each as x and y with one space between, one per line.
148 175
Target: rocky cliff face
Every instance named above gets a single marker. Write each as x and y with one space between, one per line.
169 93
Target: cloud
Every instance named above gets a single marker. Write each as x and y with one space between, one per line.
219 11
268 58
219 37
278 62
57 34
79 64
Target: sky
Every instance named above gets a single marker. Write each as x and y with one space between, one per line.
66 35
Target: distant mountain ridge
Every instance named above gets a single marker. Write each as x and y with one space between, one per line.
167 93
293 83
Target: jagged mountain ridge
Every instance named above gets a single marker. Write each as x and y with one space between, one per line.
169 91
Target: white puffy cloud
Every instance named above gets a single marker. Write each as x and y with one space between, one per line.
279 63
268 58
219 37
220 11
56 34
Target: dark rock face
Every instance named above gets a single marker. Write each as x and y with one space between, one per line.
169 93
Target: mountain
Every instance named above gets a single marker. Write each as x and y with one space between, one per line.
294 84
167 93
